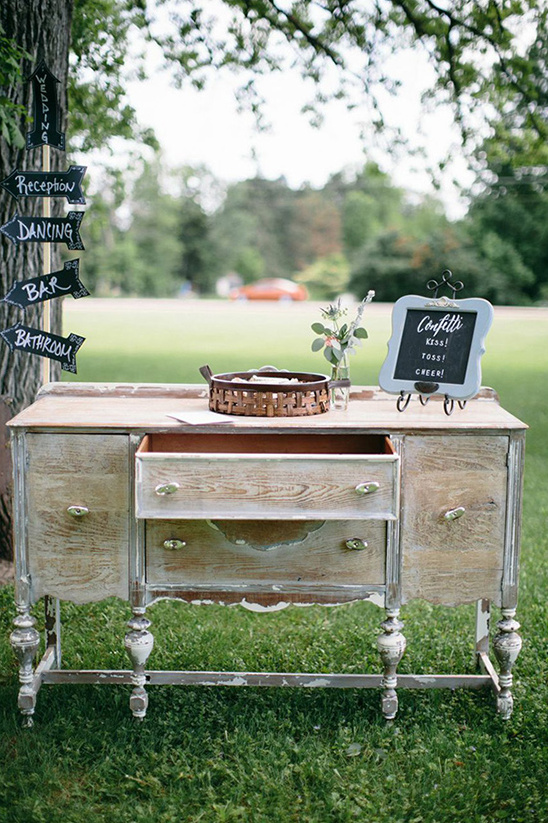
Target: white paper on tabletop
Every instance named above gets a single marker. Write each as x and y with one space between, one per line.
199 418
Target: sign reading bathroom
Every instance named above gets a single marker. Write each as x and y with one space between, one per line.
46 230
47 286
47 184
436 346
45 110
45 344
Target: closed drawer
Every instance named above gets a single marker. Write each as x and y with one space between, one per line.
278 554
291 483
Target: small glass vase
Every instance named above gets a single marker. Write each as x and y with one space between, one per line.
339 390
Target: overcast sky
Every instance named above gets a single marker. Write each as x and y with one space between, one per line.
205 128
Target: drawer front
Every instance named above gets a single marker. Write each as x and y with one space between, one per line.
269 487
79 556
243 553
453 517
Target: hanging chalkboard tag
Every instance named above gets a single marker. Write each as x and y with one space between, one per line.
44 344
47 184
436 346
45 109
47 286
46 230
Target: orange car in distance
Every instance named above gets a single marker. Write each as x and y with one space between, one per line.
271 288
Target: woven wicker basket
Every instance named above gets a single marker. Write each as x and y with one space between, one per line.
309 396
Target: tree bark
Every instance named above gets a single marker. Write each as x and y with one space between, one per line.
42 28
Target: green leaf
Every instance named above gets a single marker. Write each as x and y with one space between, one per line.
319 328
328 354
317 344
359 332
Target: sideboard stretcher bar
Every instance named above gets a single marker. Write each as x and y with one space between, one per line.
115 497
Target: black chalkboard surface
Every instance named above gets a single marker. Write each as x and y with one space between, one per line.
436 346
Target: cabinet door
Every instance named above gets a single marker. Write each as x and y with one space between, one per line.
453 517
77 498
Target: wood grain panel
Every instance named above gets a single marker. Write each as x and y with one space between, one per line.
79 559
457 561
316 555
243 486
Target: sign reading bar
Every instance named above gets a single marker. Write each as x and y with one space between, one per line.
47 286
46 230
45 344
45 110
436 346
47 184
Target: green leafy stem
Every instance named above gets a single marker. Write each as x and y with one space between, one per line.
338 340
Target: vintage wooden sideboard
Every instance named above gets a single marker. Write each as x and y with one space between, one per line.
114 497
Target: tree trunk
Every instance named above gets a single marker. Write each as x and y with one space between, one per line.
42 28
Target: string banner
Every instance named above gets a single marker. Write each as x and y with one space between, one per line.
44 344
47 286
47 184
45 109
46 230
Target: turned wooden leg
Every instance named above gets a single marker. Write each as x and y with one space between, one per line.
52 613
25 642
507 646
139 642
391 646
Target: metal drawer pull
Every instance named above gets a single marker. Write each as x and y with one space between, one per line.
174 545
368 487
356 543
166 488
78 511
454 514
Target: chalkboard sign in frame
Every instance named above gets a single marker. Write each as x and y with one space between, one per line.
436 346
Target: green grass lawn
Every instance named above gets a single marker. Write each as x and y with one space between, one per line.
263 755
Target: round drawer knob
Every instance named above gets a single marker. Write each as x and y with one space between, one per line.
166 488
368 487
356 544
454 514
173 544
78 511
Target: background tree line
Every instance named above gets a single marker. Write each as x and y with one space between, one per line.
359 231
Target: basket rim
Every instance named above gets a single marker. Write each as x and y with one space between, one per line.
312 381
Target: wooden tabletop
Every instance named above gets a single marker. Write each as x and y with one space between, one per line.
146 407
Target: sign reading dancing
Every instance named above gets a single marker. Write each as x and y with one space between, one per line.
46 230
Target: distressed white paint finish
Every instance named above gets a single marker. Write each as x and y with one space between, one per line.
25 642
266 679
483 621
268 486
507 646
453 561
321 558
76 447
391 645
78 558
139 643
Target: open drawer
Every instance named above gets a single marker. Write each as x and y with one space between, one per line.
267 476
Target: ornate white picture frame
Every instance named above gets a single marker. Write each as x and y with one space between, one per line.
436 346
